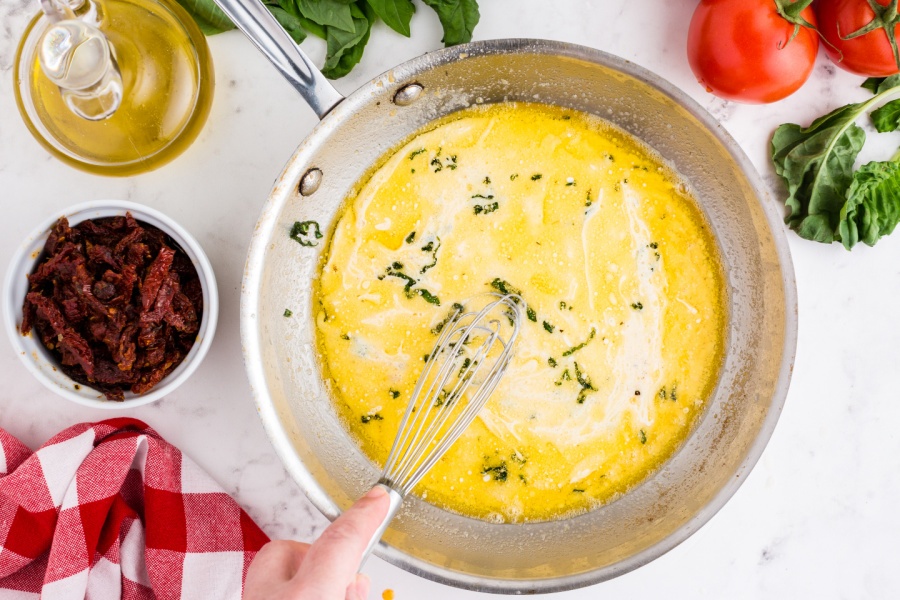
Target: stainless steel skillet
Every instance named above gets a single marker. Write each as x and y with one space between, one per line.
288 386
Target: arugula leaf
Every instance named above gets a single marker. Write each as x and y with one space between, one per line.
816 163
345 49
872 84
396 14
328 13
290 23
887 118
208 15
873 204
458 18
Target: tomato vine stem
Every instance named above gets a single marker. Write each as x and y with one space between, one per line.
886 18
791 11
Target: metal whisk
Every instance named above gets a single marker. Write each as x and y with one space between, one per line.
471 353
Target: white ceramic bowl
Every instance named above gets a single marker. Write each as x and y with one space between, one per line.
43 364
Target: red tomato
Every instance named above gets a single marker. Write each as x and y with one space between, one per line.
739 50
869 54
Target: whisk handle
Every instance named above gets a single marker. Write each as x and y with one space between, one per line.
396 500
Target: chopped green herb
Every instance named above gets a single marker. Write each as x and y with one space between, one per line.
452 164
465 365
575 349
428 247
411 237
504 287
487 208
548 327
288 312
586 385
415 153
394 393
434 252
570 182
305 233
412 170
662 392
637 306
552 362
587 199
425 358
345 336
564 377
578 490
654 245
498 472
456 309
488 197
516 457
487 181
529 312
536 176
672 396
643 436
436 163
428 296
566 117
513 177
375 417
522 477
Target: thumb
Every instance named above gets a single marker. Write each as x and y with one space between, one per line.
331 563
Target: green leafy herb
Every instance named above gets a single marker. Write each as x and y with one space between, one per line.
536 176
415 153
395 13
643 436
637 306
577 490
486 209
873 204
288 312
290 23
458 18
673 393
374 417
887 118
498 472
483 197
396 270
428 296
394 393
552 362
513 177
208 15
411 237
345 336
305 233
487 181
816 163
455 310
532 316
328 13
570 182
548 327
564 377
345 47
431 247
575 349
585 384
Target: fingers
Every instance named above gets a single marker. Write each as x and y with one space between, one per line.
359 589
272 568
330 564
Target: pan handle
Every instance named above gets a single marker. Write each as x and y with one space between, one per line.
260 26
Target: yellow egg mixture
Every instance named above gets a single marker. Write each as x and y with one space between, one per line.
626 305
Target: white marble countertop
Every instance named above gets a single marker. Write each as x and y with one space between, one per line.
818 516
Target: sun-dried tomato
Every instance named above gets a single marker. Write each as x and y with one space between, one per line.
116 301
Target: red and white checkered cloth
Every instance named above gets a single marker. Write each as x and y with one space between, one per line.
110 510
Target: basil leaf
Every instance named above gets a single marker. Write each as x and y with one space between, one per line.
345 49
873 204
208 15
872 84
328 13
887 118
876 85
396 14
458 18
816 163
290 23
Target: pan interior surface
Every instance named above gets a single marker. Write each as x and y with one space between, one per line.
687 490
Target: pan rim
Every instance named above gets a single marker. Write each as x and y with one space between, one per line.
279 196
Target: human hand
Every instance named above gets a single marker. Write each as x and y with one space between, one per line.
325 570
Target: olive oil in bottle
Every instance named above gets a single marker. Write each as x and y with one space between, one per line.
166 89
